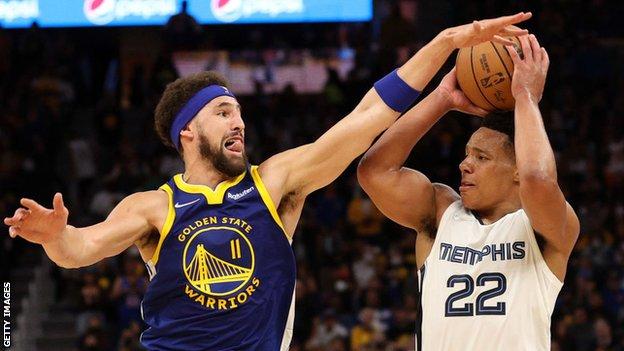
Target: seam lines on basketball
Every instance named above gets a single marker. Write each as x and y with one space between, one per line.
501 60
475 79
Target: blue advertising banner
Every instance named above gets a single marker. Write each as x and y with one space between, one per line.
86 13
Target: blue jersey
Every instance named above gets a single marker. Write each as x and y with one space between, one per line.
223 274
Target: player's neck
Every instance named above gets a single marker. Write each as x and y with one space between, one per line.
198 171
491 215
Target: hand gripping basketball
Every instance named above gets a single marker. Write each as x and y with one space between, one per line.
455 97
494 29
36 223
529 75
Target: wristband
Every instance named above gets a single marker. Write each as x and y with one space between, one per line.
395 93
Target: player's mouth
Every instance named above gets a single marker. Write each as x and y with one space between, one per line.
465 186
235 145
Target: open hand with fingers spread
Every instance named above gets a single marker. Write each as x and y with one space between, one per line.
36 223
494 29
455 97
529 76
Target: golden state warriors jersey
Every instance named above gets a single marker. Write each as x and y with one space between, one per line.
485 287
223 274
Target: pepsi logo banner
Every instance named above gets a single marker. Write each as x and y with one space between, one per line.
84 13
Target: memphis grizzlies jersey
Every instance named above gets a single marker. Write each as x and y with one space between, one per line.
485 287
223 274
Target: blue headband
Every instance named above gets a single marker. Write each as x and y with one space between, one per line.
192 107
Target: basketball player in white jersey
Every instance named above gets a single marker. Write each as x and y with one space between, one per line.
484 281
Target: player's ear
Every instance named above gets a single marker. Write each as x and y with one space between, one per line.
188 131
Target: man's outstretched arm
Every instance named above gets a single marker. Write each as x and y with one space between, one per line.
305 169
72 247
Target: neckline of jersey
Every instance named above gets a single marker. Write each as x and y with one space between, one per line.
480 221
212 196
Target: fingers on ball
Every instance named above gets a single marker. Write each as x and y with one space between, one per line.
526 47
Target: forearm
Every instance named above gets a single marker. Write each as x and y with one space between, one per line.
372 116
68 250
423 66
392 149
80 247
417 72
534 155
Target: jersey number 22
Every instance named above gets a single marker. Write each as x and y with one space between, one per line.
469 284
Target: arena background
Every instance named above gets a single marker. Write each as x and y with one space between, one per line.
76 116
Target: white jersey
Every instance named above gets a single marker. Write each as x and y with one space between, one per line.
485 287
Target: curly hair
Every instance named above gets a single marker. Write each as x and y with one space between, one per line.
176 95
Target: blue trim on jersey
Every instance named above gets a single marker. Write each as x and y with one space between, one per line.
225 275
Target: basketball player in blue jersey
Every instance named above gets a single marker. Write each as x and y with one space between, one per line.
216 238
484 282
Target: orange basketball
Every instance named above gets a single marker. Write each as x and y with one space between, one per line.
484 74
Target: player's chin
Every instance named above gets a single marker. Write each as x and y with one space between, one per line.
236 159
468 201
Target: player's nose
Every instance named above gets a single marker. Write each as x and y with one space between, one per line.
466 166
237 123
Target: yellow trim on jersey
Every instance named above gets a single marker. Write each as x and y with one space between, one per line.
213 197
266 198
168 223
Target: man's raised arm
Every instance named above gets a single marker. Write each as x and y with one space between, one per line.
542 199
305 169
381 171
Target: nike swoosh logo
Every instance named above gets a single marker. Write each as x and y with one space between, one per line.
179 205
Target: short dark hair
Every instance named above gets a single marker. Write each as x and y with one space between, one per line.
502 122
176 95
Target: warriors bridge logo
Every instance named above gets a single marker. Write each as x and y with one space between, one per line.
218 263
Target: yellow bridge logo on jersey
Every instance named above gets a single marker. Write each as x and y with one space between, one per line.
218 263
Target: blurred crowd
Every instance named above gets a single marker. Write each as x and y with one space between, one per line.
63 128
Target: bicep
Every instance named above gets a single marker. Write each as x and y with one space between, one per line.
406 196
126 224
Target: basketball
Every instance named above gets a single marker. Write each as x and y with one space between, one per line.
484 74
